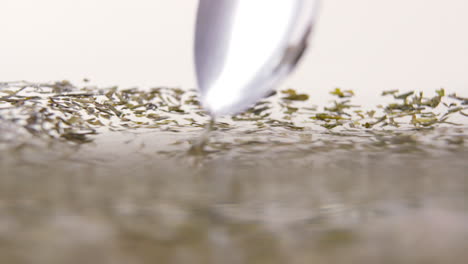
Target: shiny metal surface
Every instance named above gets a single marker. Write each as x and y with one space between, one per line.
244 48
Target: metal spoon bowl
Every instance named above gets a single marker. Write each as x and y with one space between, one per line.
244 48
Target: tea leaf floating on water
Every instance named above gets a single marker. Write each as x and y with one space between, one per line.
294 96
342 94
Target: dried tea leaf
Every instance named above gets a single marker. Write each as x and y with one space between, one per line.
342 93
292 95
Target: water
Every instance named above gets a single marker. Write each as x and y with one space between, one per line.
277 194
118 201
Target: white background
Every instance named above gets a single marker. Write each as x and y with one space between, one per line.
365 45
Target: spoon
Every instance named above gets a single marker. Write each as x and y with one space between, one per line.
244 48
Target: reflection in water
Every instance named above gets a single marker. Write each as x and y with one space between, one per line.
198 146
256 199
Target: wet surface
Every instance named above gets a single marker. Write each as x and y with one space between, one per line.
255 193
